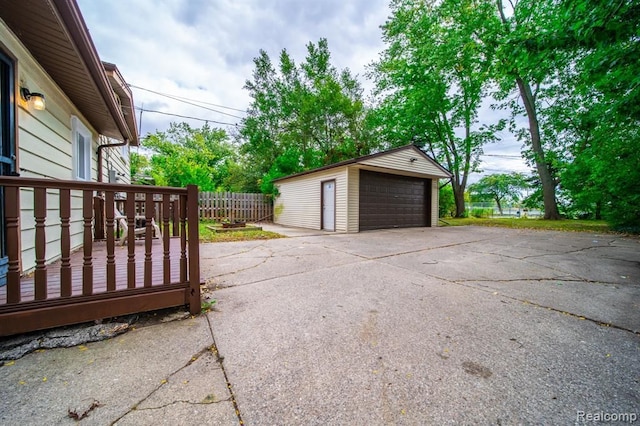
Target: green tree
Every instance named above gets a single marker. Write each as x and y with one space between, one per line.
500 188
446 201
532 74
140 167
594 111
184 155
302 116
432 77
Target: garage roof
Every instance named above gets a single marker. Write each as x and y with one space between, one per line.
363 159
56 35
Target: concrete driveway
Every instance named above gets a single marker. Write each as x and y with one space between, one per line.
458 325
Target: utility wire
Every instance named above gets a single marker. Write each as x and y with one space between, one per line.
501 155
186 116
191 101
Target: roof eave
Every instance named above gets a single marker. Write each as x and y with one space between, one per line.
364 158
69 12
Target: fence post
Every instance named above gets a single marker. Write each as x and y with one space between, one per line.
194 249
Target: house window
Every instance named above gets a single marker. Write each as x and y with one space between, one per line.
81 139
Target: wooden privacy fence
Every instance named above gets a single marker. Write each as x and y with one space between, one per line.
99 279
220 206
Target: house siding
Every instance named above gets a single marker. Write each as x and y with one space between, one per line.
116 158
298 202
44 150
401 161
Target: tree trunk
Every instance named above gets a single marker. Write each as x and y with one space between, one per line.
548 184
458 197
598 210
499 205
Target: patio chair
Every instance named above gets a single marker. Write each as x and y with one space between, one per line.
124 226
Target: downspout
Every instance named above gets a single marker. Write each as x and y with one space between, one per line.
103 146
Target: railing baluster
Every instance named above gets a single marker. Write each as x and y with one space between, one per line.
87 264
183 238
131 239
65 243
111 257
166 239
175 217
148 215
40 214
13 247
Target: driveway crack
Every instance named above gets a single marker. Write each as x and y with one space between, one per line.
528 302
220 360
162 383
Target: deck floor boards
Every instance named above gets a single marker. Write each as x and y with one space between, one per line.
99 262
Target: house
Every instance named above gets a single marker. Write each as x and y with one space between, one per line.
65 114
67 121
391 189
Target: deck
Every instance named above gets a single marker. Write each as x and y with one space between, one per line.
101 279
99 264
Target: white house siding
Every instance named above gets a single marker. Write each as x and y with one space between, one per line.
116 158
298 202
44 150
401 161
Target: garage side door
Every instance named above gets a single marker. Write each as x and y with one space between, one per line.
392 201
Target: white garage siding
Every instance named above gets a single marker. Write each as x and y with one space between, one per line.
401 161
435 193
353 201
298 202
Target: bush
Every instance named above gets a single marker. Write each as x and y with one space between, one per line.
480 213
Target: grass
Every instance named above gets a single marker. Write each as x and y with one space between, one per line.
567 225
209 236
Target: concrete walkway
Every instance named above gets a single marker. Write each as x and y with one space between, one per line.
457 325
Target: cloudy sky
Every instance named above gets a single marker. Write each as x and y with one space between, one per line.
203 50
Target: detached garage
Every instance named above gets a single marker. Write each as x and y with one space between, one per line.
391 189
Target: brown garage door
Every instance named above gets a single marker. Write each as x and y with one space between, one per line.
392 201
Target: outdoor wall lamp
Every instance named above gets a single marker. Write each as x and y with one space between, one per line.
36 99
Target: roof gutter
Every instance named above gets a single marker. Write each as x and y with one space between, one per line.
70 14
103 146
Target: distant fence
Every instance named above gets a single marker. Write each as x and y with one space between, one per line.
232 206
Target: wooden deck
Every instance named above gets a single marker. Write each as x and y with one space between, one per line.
99 264
102 279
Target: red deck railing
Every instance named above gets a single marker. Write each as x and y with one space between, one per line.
98 280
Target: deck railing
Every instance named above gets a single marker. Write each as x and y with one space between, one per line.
106 282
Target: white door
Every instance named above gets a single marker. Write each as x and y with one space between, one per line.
329 205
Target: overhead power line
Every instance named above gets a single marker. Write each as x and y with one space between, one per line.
501 155
185 116
192 101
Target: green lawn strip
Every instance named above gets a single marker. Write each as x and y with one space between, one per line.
567 225
209 236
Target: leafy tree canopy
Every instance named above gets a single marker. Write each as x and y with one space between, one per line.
302 116
500 188
184 155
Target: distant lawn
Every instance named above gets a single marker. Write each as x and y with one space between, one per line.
209 236
569 225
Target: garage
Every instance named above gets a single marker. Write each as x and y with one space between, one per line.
392 201
397 188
